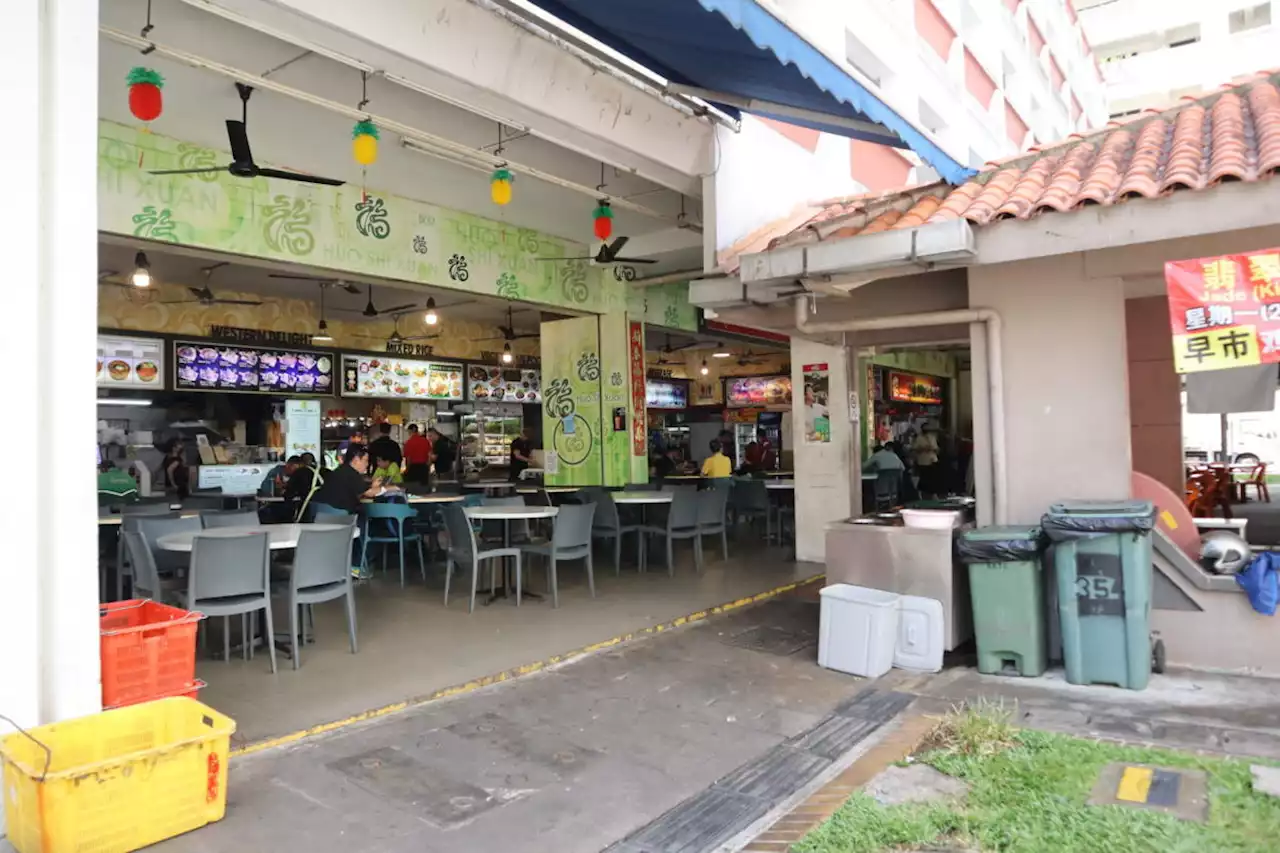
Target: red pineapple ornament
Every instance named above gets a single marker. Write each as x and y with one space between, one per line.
145 101
603 216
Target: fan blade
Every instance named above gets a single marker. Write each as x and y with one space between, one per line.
503 338
349 287
297 277
181 302
399 308
238 136
186 171
234 302
616 246
634 261
421 338
199 293
581 258
298 176
523 336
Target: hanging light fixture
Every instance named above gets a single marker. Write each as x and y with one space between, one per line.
432 317
322 335
141 271
507 356
704 370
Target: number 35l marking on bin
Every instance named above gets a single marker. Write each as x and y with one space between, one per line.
1097 587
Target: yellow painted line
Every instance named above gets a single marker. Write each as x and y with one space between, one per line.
1135 784
516 672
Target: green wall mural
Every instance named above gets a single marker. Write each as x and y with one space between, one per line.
338 228
663 305
572 436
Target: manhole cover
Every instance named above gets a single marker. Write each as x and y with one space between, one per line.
1176 791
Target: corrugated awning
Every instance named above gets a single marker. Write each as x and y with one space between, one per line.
739 56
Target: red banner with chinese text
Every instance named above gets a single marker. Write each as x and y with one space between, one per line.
1225 311
639 440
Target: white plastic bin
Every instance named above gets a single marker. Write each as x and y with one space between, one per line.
859 630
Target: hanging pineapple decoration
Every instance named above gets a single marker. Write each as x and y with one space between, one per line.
145 101
603 216
500 186
364 148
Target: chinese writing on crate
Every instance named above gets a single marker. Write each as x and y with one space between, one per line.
1225 311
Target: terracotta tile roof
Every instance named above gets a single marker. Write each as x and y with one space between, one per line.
1230 135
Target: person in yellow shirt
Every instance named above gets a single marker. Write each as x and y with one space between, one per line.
717 464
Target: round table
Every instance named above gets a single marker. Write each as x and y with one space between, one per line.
644 500
496 486
433 499
506 514
279 536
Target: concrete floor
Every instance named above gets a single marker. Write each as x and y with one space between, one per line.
1264 519
411 646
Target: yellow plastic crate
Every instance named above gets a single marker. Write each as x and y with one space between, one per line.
116 781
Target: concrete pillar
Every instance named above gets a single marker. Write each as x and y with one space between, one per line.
49 611
825 473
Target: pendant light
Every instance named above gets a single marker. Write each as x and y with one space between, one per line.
432 317
704 370
322 335
507 356
141 271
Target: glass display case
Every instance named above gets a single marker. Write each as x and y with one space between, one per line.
487 435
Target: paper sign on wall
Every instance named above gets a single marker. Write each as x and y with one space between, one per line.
817 411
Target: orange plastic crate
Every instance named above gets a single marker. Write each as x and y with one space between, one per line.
148 652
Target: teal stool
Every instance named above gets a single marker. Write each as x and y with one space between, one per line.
385 525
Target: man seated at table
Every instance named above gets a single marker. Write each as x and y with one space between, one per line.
885 458
717 464
346 486
278 477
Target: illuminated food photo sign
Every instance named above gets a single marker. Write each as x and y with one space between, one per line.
207 367
914 388
400 378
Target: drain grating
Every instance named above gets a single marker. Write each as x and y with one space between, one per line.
734 802
772 640
439 799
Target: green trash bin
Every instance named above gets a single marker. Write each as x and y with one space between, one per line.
1006 585
1102 557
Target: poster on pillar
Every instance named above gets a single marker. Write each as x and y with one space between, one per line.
817 403
344 229
616 366
1225 310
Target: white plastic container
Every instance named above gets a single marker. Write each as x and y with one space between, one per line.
921 633
932 519
858 631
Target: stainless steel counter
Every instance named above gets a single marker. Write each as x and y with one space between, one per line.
905 560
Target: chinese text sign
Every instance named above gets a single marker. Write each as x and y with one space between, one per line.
1225 311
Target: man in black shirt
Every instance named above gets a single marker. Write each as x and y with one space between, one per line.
345 486
521 454
385 447
444 453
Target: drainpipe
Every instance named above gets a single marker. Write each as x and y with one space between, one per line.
995 370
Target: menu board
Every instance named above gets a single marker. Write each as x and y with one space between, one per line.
206 367
666 395
232 479
130 362
398 378
504 385
757 391
914 388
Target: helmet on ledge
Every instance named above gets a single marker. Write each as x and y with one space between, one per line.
1224 552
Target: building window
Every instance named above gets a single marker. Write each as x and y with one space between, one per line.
934 29
865 60
1250 19
977 81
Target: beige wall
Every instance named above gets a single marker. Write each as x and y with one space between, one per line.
823 470
1065 381
1155 405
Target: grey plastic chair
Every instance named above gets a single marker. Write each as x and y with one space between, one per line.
326 514
712 507
463 551
321 572
152 528
230 576
230 518
607 524
570 540
750 499
519 528
146 580
129 516
682 523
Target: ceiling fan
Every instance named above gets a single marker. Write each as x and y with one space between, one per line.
370 310
340 283
396 338
667 348
750 358
509 333
607 254
205 296
242 165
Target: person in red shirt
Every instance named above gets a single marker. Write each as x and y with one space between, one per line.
417 456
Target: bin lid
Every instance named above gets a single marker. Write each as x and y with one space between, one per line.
1004 533
1123 508
860 595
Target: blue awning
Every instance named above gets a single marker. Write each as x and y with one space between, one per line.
737 48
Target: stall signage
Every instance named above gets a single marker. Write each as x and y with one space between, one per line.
400 379
204 367
666 395
1225 311
914 388
758 391
658 373
259 336
639 389
503 385
406 348
130 362
526 361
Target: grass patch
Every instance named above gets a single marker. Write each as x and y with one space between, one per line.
1028 793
